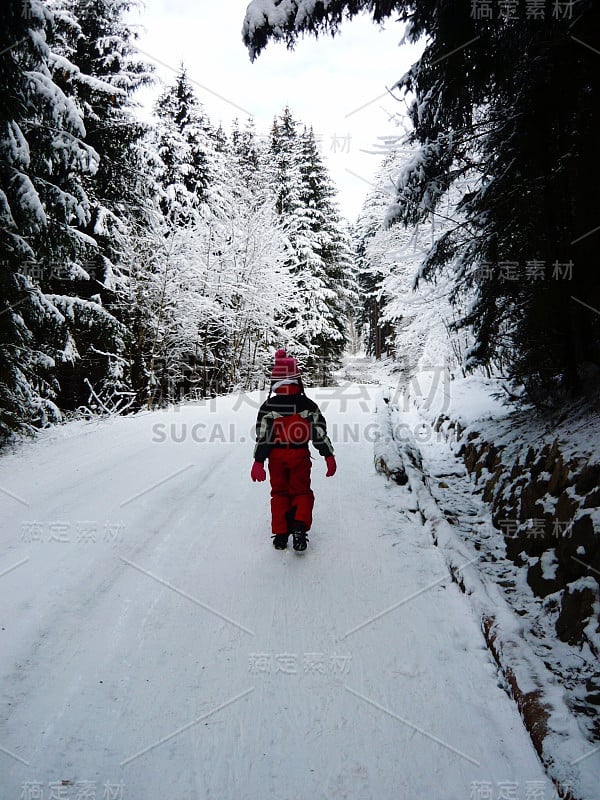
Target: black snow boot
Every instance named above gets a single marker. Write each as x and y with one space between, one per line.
299 537
280 541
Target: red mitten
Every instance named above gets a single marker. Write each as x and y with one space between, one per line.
331 466
257 473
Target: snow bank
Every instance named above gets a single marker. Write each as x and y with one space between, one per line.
567 754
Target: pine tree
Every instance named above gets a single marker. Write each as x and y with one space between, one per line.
196 202
186 147
399 312
304 200
333 248
100 44
285 169
249 157
43 207
373 262
485 93
104 76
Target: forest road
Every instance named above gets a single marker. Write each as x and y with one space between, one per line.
154 645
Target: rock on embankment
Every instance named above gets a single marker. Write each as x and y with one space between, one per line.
547 507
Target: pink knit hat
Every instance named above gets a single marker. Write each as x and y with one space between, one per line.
285 368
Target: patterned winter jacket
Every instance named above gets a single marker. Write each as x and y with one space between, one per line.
290 421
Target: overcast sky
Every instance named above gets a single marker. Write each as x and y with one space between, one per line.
324 81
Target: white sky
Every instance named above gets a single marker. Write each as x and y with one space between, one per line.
322 80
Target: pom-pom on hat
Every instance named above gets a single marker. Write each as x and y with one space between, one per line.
285 367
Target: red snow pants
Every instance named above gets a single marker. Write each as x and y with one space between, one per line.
291 495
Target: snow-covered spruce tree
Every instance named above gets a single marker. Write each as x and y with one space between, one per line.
186 143
100 44
256 288
254 255
388 256
43 209
515 99
376 255
102 72
320 252
400 314
334 249
284 160
222 259
206 203
217 295
249 156
305 317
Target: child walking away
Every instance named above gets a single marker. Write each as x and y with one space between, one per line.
287 421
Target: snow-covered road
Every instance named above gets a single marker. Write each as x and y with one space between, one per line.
154 646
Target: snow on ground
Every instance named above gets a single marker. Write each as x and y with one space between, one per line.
155 645
524 624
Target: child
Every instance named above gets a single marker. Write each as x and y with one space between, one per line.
287 422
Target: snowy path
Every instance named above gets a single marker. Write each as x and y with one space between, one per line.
165 650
